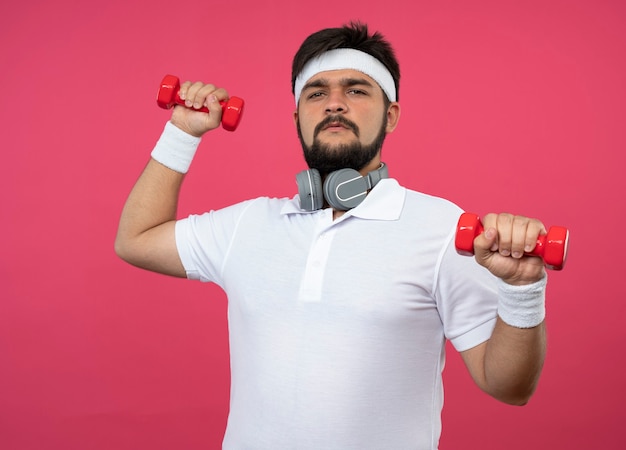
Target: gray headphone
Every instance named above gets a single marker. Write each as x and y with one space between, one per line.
343 189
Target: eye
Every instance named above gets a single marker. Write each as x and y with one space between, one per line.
314 95
356 91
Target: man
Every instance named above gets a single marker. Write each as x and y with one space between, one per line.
339 308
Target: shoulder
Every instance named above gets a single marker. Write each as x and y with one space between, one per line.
257 207
431 208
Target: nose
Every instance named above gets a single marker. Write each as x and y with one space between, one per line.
336 102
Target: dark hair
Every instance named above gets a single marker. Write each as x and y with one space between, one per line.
355 36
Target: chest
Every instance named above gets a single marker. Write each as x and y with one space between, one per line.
360 267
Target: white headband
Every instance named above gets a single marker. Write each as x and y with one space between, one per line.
347 58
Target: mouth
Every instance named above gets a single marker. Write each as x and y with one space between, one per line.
334 124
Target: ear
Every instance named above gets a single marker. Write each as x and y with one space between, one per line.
393 116
295 117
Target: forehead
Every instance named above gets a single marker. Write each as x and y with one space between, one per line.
340 76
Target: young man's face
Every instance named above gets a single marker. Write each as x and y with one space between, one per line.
342 121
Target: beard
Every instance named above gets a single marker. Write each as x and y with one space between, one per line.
327 158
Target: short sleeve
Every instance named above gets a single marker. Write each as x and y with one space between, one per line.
467 299
203 241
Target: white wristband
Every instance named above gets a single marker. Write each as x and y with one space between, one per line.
175 149
522 306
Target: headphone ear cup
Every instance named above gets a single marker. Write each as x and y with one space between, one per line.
310 190
345 189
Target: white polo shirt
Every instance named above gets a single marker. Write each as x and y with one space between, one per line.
337 328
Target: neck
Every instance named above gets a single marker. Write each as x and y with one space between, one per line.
337 214
374 164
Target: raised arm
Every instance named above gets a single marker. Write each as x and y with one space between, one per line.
509 364
145 235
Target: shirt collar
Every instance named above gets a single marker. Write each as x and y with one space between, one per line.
384 202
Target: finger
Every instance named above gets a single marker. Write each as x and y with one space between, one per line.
503 224
197 94
519 236
535 228
505 234
209 90
183 91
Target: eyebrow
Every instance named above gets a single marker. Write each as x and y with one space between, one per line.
346 82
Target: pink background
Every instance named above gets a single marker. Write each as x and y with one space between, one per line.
507 106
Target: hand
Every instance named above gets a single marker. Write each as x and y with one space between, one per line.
501 247
197 95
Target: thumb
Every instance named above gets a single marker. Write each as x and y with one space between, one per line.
205 122
486 243
215 108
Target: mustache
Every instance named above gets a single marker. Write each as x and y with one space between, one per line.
336 119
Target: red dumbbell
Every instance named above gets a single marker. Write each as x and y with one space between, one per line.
168 97
551 247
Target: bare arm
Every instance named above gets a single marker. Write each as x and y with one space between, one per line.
509 364
146 236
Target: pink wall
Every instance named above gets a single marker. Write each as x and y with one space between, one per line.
505 107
